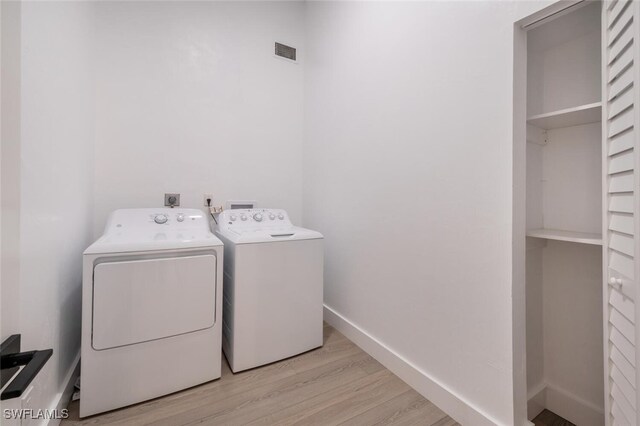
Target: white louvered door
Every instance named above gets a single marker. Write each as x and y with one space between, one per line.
621 220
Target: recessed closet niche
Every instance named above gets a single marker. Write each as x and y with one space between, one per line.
564 217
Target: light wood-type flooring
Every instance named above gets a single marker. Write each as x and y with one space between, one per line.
333 385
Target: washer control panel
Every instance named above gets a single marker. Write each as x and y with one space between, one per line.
250 220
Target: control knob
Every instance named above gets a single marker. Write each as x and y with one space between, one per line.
281 216
257 217
272 216
243 217
233 217
160 219
180 217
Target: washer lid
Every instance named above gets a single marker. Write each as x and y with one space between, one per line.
269 236
260 225
130 230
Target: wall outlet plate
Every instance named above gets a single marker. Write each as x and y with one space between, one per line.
204 199
172 200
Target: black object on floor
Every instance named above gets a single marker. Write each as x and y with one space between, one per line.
11 359
549 418
9 346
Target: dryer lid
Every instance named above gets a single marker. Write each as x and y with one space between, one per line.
130 230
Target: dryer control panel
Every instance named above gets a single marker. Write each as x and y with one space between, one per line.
251 220
154 220
154 229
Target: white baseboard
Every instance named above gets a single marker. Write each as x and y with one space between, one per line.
62 399
565 404
455 406
573 408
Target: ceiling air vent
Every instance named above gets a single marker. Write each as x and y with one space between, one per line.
286 52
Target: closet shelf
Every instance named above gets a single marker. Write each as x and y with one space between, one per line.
583 114
571 236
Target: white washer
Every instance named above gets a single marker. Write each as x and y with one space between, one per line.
273 278
151 308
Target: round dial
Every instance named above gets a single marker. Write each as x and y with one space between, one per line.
272 216
180 217
257 217
233 217
243 217
281 216
160 218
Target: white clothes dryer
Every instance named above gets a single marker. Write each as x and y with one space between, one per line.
151 308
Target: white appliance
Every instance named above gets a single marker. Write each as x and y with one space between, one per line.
151 308
273 278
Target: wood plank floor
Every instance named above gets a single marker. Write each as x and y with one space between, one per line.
549 418
337 384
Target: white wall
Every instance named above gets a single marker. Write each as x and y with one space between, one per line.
191 99
564 330
535 317
408 173
572 312
564 62
56 180
572 179
10 169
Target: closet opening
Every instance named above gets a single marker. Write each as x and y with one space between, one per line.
558 216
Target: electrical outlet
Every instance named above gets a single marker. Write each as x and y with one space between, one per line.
172 200
205 197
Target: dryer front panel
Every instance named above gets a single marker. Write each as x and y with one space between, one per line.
141 300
